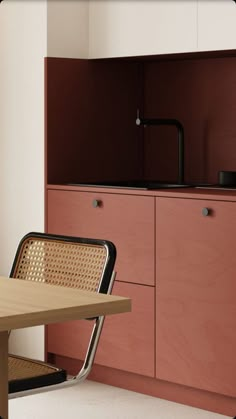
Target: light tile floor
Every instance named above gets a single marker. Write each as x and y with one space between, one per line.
91 400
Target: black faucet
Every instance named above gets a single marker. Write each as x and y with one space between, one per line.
179 126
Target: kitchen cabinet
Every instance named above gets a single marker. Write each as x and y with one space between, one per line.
178 342
195 293
126 220
127 340
133 28
216 25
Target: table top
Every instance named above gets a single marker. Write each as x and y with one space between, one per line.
27 303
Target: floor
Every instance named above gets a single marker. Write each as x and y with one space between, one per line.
91 400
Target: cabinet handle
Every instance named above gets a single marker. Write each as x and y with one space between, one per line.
206 212
97 203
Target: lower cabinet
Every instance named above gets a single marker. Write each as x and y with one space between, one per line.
195 293
182 325
127 340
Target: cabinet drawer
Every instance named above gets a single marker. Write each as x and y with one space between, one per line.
126 220
127 340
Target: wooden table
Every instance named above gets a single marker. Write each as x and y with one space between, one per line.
24 304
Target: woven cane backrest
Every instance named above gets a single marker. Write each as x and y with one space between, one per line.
58 262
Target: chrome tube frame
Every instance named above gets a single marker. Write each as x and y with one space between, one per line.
88 361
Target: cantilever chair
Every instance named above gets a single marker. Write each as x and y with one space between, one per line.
73 262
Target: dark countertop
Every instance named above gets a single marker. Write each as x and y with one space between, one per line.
184 193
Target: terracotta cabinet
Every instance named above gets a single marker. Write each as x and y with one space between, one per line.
195 293
127 342
126 220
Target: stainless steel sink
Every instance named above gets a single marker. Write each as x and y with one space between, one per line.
133 184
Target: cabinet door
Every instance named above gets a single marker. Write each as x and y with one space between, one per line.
123 28
195 294
126 220
127 340
216 25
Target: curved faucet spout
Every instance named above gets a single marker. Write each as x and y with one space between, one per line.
168 122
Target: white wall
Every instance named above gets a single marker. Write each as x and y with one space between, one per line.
29 31
22 50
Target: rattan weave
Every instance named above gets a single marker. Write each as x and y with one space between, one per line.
73 265
65 261
21 368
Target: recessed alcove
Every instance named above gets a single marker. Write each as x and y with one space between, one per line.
91 108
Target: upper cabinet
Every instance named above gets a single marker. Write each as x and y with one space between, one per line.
123 28
67 28
132 28
216 25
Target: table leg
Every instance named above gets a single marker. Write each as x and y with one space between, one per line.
4 375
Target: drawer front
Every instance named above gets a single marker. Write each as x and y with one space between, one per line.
126 220
127 340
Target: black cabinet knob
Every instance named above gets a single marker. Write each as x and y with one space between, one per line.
205 212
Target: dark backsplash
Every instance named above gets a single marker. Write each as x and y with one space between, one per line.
201 93
91 111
